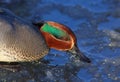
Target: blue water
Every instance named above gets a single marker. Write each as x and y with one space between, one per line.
97 28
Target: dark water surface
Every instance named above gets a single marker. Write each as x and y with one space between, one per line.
96 24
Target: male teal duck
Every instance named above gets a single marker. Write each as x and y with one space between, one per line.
60 37
22 42
19 40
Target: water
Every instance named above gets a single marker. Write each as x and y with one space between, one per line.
96 25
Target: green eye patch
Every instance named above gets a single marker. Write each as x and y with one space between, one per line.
58 33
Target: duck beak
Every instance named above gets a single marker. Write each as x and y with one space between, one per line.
78 54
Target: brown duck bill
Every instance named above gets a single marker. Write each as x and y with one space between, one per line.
75 51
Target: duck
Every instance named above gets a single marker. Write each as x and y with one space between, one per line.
20 41
60 37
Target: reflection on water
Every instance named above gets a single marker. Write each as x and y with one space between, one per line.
96 25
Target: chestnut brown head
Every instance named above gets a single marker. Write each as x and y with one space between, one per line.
60 37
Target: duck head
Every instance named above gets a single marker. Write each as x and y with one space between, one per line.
60 37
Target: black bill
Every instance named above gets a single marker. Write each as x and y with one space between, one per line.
75 51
